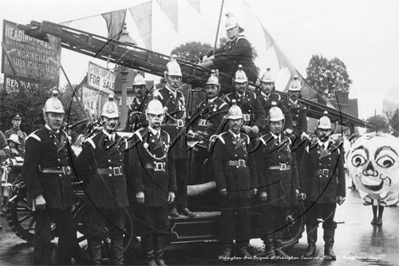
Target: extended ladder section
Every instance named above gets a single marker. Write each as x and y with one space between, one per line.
148 61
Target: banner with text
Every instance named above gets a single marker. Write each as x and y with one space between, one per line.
100 78
30 57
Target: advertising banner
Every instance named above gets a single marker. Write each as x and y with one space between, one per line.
31 57
100 78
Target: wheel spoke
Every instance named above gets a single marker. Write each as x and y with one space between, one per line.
26 217
30 225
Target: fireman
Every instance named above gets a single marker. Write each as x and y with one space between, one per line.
266 96
236 180
137 106
254 117
47 175
101 167
207 120
153 173
299 120
322 178
278 182
175 125
236 51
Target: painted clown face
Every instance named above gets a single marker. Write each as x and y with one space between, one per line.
373 164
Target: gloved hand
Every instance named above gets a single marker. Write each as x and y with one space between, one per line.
223 192
40 202
263 196
140 197
171 196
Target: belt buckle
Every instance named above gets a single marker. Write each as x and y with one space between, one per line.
283 167
117 171
180 122
326 172
202 122
66 170
241 163
247 117
159 166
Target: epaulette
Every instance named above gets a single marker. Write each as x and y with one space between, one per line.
247 137
227 97
166 134
158 93
220 136
90 140
33 135
223 104
139 134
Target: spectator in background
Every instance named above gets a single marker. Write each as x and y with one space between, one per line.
16 120
5 153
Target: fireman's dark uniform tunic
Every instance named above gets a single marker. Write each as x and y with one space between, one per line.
235 171
207 120
278 177
46 171
156 177
300 125
135 119
101 167
254 114
237 51
322 178
266 103
175 126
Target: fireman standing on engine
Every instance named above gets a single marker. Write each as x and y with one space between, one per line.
137 106
254 117
153 173
207 120
322 178
299 120
278 182
175 125
236 180
236 51
266 96
101 167
47 176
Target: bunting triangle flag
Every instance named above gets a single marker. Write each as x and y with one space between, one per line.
115 20
195 4
170 9
142 16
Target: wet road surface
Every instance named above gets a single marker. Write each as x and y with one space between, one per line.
357 242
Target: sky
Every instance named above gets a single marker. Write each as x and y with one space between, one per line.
363 34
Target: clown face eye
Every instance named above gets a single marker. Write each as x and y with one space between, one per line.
358 160
385 161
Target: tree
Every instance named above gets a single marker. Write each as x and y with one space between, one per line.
377 123
327 76
393 121
29 101
191 51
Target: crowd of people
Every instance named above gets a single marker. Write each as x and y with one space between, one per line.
255 144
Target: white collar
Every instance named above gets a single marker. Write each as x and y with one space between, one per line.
323 143
154 131
49 128
110 136
235 135
212 100
172 91
240 94
278 137
264 94
293 101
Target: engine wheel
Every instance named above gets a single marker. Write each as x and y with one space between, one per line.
296 225
81 247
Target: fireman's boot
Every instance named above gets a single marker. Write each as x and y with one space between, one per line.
159 249
278 245
329 243
269 246
148 249
311 231
117 250
94 246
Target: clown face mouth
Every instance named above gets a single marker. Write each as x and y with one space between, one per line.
374 188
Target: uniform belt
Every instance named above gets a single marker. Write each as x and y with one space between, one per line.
324 172
237 163
115 171
66 170
281 167
157 166
178 123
